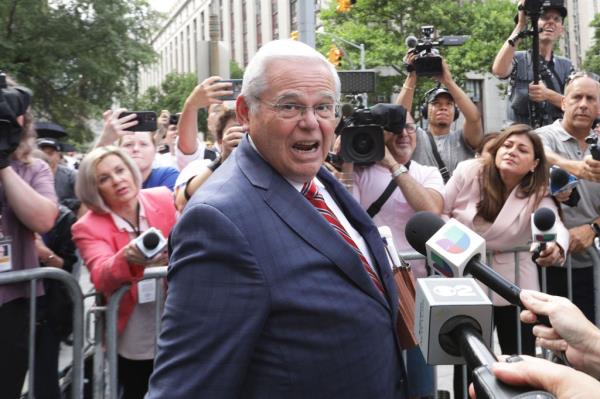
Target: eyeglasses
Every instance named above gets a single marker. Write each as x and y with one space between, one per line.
291 111
410 127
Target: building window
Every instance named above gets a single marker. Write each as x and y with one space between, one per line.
274 21
189 48
201 31
244 32
258 24
232 26
220 19
293 15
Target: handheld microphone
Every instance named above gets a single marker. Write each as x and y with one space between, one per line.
150 242
454 325
561 180
592 140
543 229
455 251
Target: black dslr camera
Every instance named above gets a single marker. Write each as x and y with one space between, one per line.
362 132
428 62
14 102
537 7
174 119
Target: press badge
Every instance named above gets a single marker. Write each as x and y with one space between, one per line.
5 254
146 291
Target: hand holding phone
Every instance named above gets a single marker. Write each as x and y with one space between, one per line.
146 121
236 87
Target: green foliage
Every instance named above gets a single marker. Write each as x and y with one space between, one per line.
592 58
76 55
235 72
171 96
383 25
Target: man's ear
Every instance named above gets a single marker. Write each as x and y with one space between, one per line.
242 111
21 120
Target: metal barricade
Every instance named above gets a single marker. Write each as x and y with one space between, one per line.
33 275
112 311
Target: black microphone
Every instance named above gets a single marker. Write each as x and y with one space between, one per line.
592 140
454 250
561 180
543 229
411 42
151 242
454 326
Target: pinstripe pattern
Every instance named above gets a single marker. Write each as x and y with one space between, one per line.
312 194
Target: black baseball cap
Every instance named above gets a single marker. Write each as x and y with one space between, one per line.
438 93
558 5
48 142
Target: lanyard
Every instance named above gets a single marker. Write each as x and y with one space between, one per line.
136 230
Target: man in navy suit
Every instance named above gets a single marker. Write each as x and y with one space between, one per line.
266 299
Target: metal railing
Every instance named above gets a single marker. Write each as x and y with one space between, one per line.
32 276
112 312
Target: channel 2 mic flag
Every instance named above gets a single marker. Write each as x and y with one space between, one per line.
452 247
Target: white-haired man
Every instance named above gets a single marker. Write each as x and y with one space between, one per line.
279 286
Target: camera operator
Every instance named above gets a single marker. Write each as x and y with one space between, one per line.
419 188
440 146
517 65
29 205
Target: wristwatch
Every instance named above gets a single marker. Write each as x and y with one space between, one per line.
595 228
398 170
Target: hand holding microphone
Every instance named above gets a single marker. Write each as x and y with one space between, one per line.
563 186
543 232
571 332
146 249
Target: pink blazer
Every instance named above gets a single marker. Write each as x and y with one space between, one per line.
102 245
512 227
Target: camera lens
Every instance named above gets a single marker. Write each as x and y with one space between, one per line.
363 143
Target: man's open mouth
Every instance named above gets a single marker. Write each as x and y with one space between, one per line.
306 146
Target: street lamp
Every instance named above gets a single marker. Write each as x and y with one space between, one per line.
360 47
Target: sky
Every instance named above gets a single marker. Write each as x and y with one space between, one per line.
161 5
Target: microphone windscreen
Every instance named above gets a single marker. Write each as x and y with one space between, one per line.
544 219
347 110
559 177
411 42
151 240
420 228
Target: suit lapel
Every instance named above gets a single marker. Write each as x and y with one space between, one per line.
305 220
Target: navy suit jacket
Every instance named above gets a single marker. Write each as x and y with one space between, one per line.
266 300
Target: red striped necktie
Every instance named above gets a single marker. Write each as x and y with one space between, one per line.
311 192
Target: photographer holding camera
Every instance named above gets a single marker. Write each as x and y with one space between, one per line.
440 145
29 205
517 65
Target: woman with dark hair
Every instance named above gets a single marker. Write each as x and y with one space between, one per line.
495 196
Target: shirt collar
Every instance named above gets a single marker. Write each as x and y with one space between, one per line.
122 224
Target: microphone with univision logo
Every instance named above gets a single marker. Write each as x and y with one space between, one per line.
454 250
561 180
150 242
454 326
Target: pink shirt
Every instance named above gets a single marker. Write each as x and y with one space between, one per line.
24 254
370 182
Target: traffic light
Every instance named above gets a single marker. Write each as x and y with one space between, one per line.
295 35
334 55
344 5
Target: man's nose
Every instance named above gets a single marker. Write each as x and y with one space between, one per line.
309 118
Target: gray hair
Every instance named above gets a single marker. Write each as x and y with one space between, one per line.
86 186
255 78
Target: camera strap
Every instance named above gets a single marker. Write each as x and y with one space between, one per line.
441 165
376 206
